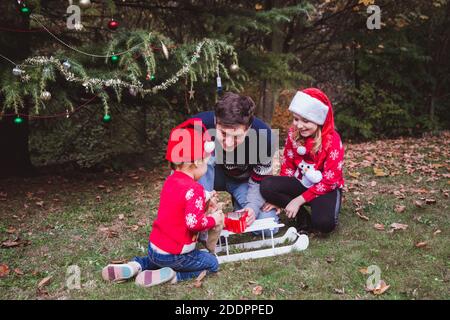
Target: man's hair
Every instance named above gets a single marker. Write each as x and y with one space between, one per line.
234 109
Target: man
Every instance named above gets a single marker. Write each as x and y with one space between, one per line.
243 154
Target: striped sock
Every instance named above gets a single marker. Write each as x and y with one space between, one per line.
150 278
119 272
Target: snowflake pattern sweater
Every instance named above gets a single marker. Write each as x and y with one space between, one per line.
181 215
329 159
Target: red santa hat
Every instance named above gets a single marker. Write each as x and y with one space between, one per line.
189 141
309 105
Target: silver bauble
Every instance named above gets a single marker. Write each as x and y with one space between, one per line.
234 68
45 95
66 65
85 4
17 71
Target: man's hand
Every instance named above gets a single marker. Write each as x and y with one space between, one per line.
251 216
268 206
293 206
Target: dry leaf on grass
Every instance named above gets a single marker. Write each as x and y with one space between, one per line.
10 243
4 270
379 226
398 226
257 290
430 201
364 270
399 208
418 203
18 272
362 216
121 216
339 291
436 232
379 289
44 282
421 244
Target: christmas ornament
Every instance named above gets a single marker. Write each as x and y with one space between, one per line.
18 120
45 95
106 118
67 65
25 10
234 68
17 71
113 24
165 51
219 84
191 92
85 4
150 77
133 91
114 59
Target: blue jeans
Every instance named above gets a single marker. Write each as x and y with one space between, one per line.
216 179
187 265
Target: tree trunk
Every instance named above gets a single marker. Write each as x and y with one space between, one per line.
268 89
15 156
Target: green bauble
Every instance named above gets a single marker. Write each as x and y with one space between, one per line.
106 118
18 120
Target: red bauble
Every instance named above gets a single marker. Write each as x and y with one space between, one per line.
113 24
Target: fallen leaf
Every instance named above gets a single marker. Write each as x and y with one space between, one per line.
98 198
418 203
44 282
430 201
10 243
354 174
398 226
421 244
11 230
373 183
40 203
329 259
257 290
363 270
121 216
100 186
379 172
4 270
380 288
362 216
436 232
399 208
339 291
379 226
18 272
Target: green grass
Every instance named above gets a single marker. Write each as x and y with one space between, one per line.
71 231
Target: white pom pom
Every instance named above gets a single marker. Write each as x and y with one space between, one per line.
301 150
209 146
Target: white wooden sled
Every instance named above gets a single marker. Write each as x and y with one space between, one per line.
298 242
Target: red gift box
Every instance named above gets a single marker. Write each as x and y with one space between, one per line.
236 221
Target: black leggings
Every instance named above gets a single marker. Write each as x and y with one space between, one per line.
324 209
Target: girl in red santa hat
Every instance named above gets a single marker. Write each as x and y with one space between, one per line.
182 214
311 170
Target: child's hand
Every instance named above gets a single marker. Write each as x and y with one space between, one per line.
212 203
218 217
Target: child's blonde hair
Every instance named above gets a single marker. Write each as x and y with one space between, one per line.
317 138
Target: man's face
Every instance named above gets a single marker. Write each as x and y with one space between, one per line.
230 137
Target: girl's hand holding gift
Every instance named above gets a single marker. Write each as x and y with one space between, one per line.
218 217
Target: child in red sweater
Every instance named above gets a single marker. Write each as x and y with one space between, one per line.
182 214
311 170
